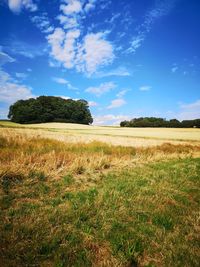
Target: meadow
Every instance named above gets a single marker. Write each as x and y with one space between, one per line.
75 195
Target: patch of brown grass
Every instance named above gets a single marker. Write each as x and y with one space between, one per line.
24 153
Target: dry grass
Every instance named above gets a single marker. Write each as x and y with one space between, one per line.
24 151
69 204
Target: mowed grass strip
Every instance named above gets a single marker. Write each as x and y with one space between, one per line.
81 205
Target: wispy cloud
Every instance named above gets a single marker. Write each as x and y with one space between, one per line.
11 90
122 93
60 80
145 88
43 23
161 8
102 89
5 58
121 71
116 103
136 43
189 111
21 75
25 49
109 119
64 82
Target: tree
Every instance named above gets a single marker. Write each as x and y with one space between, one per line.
50 109
160 122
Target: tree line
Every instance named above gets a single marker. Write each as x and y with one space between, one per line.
160 122
50 109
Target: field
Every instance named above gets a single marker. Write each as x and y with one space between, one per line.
75 195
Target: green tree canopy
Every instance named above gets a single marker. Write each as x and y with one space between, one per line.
160 122
50 109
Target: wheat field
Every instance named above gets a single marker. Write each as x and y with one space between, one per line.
135 137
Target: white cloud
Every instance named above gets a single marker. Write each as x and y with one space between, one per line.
84 53
102 89
11 91
90 5
63 46
60 80
109 119
92 104
71 7
17 5
145 88
63 81
68 22
189 111
94 52
116 103
85 57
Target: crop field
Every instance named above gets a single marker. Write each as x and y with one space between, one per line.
75 195
135 137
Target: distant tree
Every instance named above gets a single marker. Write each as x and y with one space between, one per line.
174 123
50 109
160 122
124 124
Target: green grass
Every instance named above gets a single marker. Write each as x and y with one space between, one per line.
146 216
7 123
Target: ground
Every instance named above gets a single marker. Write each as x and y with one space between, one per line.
69 199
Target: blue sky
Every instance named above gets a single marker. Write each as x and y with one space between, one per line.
127 58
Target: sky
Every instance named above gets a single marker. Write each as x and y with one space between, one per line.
127 58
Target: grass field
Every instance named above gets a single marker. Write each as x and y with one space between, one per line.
70 200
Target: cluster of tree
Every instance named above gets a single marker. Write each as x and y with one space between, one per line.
50 109
160 122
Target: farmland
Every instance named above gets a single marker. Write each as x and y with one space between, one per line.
75 195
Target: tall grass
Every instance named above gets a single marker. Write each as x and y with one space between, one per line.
23 153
